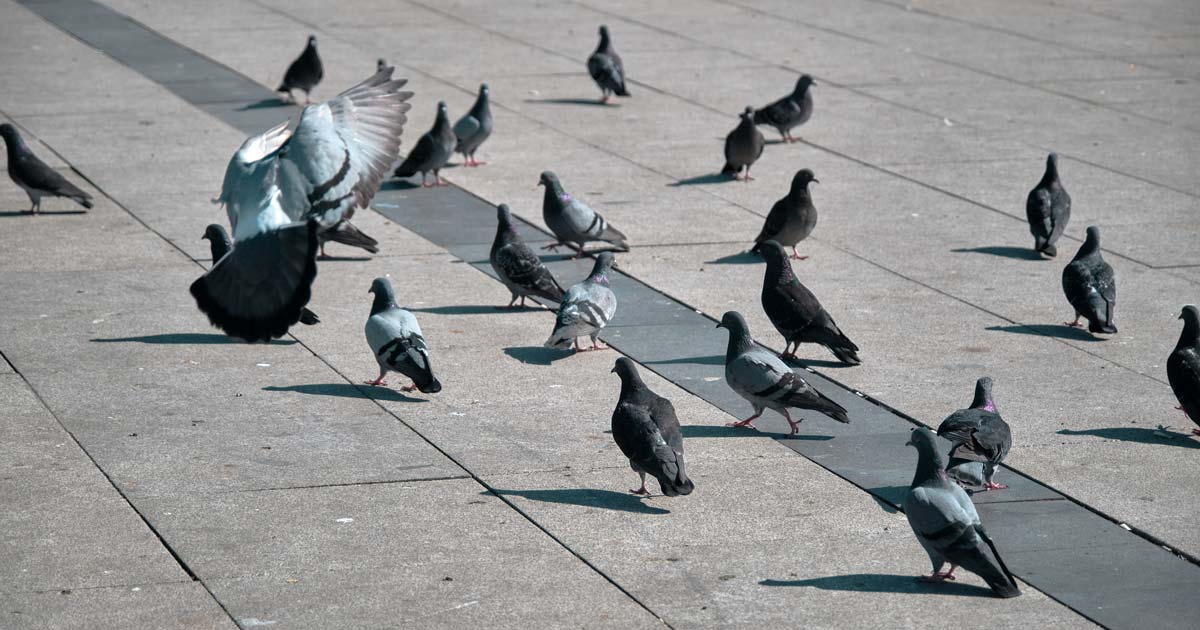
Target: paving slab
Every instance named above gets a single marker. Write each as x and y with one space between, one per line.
185 605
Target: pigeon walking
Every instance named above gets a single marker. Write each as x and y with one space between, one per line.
1090 286
474 127
606 68
34 176
396 341
574 224
1183 366
947 525
586 309
743 146
766 381
796 312
432 151
346 233
981 440
517 266
219 244
304 73
790 111
792 218
646 430
1048 208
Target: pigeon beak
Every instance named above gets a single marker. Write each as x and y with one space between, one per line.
613 371
816 181
719 325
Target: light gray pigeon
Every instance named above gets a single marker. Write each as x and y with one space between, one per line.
517 266
947 525
34 176
790 111
646 430
1183 366
1090 286
574 223
219 244
766 381
743 146
396 341
304 73
586 309
474 127
432 151
792 218
606 68
981 439
1048 208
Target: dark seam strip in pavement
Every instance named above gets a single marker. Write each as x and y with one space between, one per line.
1050 539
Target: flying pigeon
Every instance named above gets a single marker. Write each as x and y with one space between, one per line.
796 312
517 266
646 430
1090 286
792 218
573 223
34 176
981 439
606 68
474 127
766 381
432 151
790 111
947 525
1048 208
304 73
219 244
396 341
333 160
1183 366
743 146
586 309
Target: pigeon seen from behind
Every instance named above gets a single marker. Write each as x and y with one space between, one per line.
220 244
517 266
586 308
474 127
646 430
1090 286
1183 366
396 341
796 312
1048 208
34 176
432 151
790 111
743 146
792 218
981 440
574 224
606 68
304 73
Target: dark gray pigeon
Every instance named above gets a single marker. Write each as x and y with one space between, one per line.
1183 366
34 176
432 151
646 430
790 111
304 73
517 266
219 244
947 525
574 224
474 127
396 341
981 440
586 308
792 218
1090 286
766 381
1048 208
796 312
347 233
606 68
743 146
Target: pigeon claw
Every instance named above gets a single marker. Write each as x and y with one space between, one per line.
377 382
937 578
991 485
641 491
408 388
1074 324
1195 431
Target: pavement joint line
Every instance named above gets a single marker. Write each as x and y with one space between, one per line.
72 589
345 484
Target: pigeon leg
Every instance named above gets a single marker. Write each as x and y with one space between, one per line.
642 491
992 485
604 98
477 162
438 180
408 388
747 178
788 351
1195 431
938 577
378 381
796 255
424 184
598 345
795 425
748 422
1074 324
553 246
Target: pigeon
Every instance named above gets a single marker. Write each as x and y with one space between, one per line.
947 525
573 223
792 218
517 266
796 312
380 64
606 68
981 439
790 111
333 160
432 151
346 233
1090 286
396 341
646 430
34 176
586 309
304 73
220 244
1183 366
474 127
766 381
1048 208
743 146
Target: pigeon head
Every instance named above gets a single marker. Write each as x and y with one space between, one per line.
550 181
802 178
312 41
603 31
384 296
1051 168
930 462
504 216
604 263
748 114
8 132
1191 326
803 83
983 395
1092 244
215 232
483 89
734 323
380 64
627 370
777 263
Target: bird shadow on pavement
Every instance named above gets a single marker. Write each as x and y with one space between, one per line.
587 497
709 178
346 390
477 309
26 213
193 339
741 258
723 431
1019 253
322 259
885 494
399 184
884 583
1057 331
537 355
571 101
266 103
1137 434
816 363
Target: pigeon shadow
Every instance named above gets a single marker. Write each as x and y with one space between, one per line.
741 258
343 258
346 390
884 583
1018 253
714 359
887 496
1137 434
479 309
266 103
710 178
721 431
537 355
587 497
571 101
1057 331
190 339
399 184
821 363
26 213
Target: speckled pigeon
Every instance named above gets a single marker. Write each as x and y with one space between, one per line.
517 266
432 151
1048 208
396 341
646 430
586 309
790 111
743 146
474 127
606 68
792 218
796 312
981 439
304 73
574 224
219 244
34 176
1183 366
1090 286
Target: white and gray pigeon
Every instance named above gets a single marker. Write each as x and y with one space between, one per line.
981 440
1183 366
790 111
518 267
646 430
1090 286
743 147
765 381
333 160
220 244
586 308
34 176
474 127
792 218
574 223
304 73
432 151
796 313
607 69
947 525
397 343
1048 208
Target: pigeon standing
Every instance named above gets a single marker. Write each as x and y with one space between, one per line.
474 127
981 439
743 146
606 68
34 176
947 525
792 218
796 312
396 341
790 111
304 73
432 151
586 309
573 223
1090 286
346 233
219 244
766 381
1048 208
517 266
1183 366
646 430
